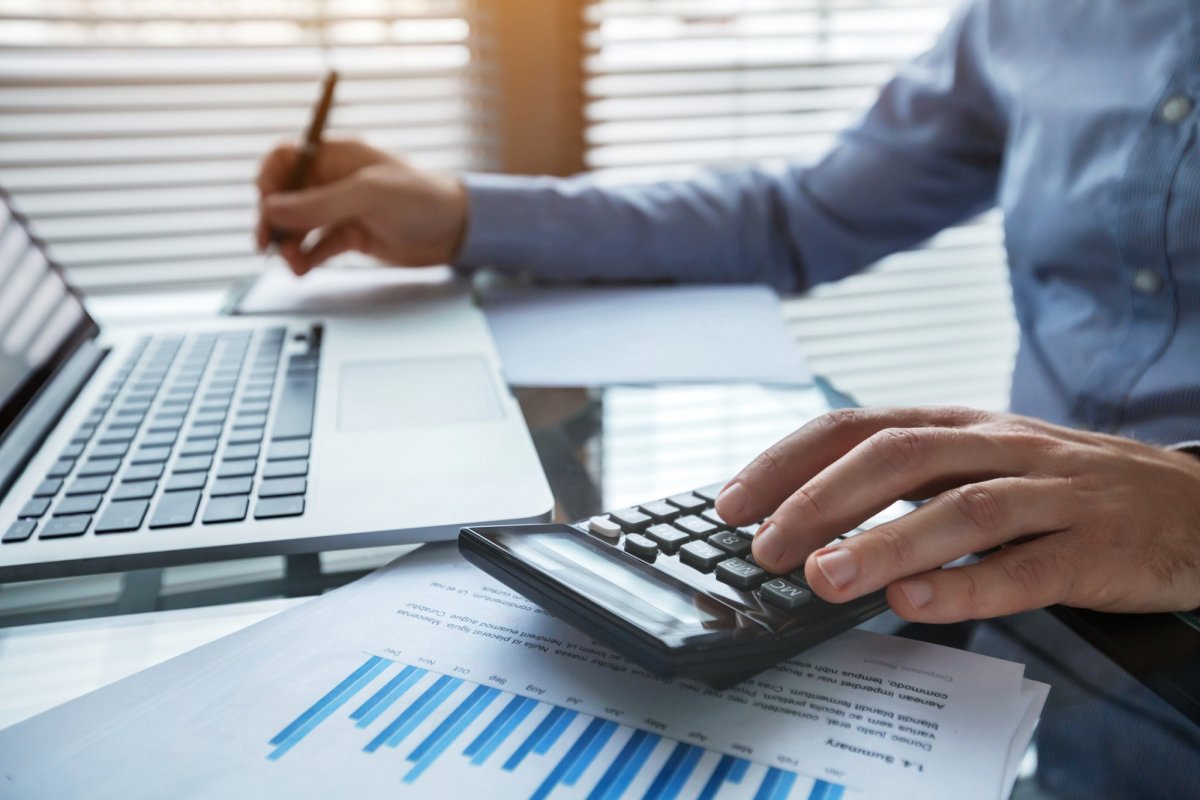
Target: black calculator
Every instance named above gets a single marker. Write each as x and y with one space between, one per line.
670 585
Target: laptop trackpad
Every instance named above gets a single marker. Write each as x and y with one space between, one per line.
418 392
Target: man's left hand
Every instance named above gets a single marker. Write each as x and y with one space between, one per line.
1084 519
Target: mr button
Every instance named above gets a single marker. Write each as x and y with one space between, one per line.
784 594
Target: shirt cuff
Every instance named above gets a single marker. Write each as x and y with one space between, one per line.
506 222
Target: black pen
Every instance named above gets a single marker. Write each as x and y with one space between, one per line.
308 151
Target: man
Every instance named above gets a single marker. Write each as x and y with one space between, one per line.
1078 118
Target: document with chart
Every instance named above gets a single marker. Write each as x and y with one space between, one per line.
429 679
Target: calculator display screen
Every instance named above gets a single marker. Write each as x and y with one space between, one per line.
654 605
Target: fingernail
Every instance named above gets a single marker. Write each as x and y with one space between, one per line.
731 500
838 566
919 593
768 544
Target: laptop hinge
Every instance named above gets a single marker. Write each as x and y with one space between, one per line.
30 430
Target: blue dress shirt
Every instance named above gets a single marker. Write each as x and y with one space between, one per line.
1077 117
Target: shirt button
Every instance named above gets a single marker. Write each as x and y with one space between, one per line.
1175 109
1146 281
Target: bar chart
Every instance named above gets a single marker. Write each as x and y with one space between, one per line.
475 735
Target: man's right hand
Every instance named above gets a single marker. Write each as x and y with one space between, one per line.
359 198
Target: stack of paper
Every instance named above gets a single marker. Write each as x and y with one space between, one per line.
429 679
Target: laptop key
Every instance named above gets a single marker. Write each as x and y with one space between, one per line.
143 472
296 448
117 435
236 469
193 464
227 486
122 516
19 531
73 450
99 466
48 487
271 507
182 481
237 452
79 504
282 487
204 432
226 509
114 450
175 509
135 490
199 447
61 527
34 507
60 468
161 439
95 485
245 436
294 417
286 469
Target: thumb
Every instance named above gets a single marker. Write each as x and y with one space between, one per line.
308 209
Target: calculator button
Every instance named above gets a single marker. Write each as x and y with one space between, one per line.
605 527
784 594
641 546
701 555
710 493
712 516
748 531
661 511
696 526
738 573
631 520
731 543
667 537
687 501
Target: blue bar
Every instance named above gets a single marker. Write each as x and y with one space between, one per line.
532 739
766 791
412 716
369 711
494 726
823 790
634 766
463 709
451 728
663 779
683 773
614 770
552 735
717 779
328 698
332 701
784 785
509 726
589 755
739 770
567 762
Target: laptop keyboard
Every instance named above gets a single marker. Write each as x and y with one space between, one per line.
180 436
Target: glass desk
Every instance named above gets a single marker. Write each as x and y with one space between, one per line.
605 449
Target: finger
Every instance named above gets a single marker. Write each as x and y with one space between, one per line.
275 168
1019 578
770 478
965 520
293 256
890 464
308 209
333 242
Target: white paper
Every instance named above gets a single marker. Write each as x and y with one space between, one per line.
672 334
336 290
864 715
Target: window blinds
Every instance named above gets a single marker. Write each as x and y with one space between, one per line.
130 130
676 83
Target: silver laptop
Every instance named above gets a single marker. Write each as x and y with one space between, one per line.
125 449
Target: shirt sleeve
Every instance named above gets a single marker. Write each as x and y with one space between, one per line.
927 155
